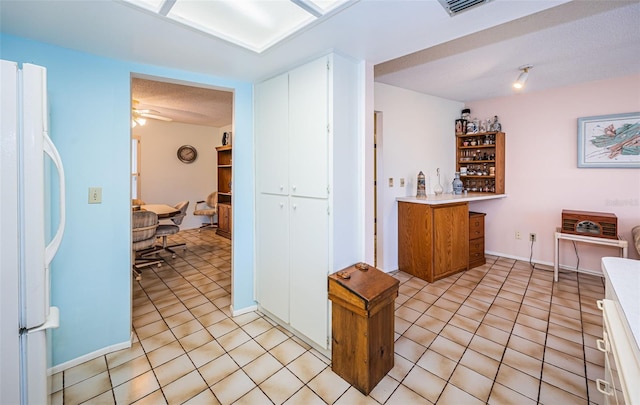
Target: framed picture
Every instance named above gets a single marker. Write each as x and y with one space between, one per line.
609 140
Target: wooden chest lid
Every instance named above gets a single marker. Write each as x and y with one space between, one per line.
362 288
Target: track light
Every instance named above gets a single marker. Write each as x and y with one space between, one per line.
522 78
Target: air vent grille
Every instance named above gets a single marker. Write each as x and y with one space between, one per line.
454 7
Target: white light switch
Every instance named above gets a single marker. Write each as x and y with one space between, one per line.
402 182
390 181
95 195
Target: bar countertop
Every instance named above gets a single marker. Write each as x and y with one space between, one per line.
449 198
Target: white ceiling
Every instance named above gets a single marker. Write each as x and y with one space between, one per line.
573 43
413 43
186 104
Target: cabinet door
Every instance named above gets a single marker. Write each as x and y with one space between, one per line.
450 239
308 130
271 135
309 268
414 240
272 254
224 217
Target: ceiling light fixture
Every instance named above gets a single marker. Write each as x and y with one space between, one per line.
522 78
253 24
135 121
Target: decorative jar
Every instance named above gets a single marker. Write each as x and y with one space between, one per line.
457 184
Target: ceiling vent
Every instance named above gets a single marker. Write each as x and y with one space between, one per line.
454 7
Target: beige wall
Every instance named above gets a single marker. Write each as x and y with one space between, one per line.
167 180
542 176
417 134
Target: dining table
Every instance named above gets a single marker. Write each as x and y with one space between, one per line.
162 210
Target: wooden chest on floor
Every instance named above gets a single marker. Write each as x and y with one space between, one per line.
362 325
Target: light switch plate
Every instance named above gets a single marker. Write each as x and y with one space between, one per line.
402 182
390 181
95 195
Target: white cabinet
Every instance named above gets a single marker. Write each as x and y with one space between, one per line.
272 136
309 267
273 251
309 129
621 331
308 190
292 132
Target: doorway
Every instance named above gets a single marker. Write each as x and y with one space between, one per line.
169 117
378 251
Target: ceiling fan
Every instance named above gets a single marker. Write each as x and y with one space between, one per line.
139 115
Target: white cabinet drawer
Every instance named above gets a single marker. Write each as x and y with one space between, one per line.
622 367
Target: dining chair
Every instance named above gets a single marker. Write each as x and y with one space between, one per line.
143 237
208 208
164 230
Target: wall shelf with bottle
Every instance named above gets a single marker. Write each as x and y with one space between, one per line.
480 158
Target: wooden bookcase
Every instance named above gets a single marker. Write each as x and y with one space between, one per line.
224 191
483 154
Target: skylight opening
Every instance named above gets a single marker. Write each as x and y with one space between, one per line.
253 24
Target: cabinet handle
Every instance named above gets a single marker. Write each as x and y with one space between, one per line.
294 188
281 205
281 187
295 206
602 345
600 305
604 387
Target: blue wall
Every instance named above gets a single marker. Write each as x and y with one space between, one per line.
89 99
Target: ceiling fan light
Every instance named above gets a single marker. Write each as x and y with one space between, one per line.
141 121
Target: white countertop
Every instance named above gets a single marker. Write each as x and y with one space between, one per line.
624 276
449 198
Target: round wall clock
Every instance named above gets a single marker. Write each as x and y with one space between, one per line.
187 153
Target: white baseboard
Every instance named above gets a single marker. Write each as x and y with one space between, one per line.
325 352
243 310
561 266
90 356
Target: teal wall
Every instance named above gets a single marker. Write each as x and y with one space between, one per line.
89 99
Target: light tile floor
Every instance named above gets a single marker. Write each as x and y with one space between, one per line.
501 333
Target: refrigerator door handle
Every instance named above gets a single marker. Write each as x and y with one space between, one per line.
52 322
52 247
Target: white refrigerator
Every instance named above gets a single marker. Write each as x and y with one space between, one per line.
28 161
